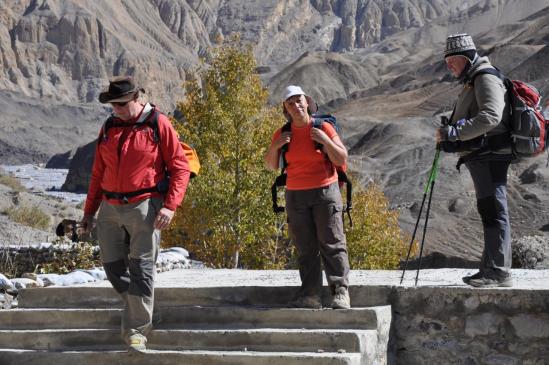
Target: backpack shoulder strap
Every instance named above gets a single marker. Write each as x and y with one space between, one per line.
317 122
107 124
152 122
284 163
492 71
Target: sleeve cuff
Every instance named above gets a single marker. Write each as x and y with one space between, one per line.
452 134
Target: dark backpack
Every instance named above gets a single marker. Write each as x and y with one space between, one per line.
528 129
150 122
527 125
342 177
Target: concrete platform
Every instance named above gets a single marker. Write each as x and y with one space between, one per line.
439 321
203 278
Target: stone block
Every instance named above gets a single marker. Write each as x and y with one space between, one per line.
482 324
528 326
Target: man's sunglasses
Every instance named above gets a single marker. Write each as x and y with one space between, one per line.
116 103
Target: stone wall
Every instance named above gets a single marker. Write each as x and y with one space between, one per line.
16 260
434 325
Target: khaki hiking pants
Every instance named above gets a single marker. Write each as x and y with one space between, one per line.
315 220
129 248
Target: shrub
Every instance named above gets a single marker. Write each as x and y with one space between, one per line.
375 241
11 182
31 216
82 255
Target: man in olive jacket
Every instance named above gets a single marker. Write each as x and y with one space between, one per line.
481 114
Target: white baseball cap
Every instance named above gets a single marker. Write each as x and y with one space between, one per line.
293 90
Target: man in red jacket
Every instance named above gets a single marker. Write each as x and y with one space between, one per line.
132 161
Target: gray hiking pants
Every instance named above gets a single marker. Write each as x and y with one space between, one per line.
490 180
129 248
315 221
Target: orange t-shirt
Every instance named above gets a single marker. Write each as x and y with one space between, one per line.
307 168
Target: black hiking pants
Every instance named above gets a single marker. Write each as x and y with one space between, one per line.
490 180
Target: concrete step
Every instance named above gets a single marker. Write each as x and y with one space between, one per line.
270 340
106 297
188 317
22 357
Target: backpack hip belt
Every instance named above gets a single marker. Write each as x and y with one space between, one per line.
124 197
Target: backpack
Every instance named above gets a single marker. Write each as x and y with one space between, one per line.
528 128
151 122
342 177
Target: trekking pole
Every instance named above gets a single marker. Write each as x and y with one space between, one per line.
428 191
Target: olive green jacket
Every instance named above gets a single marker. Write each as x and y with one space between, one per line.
483 108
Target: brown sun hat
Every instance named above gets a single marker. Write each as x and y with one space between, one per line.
121 89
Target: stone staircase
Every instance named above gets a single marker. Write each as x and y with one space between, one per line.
240 325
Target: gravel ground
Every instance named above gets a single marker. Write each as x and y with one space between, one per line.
192 278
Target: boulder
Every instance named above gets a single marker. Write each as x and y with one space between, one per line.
530 175
80 169
529 252
459 206
60 160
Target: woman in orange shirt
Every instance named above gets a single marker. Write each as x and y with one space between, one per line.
313 200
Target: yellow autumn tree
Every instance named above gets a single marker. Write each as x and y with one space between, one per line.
375 241
226 219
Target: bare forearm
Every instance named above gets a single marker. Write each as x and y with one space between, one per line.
271 158
336 153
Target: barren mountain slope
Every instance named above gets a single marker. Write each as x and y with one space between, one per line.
390 135
377 64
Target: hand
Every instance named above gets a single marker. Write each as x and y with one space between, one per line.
319 136
87 223
440 134
163 218
285 137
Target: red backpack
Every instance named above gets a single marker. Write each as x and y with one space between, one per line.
529 129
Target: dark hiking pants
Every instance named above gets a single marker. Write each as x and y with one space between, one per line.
129 248
315 221
490 180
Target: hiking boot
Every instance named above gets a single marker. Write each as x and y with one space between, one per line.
467 279
306 301
492 279
136 342
341 298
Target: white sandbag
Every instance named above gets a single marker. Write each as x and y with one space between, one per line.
51 279
76 277
180 250
5 283
22 283
97 273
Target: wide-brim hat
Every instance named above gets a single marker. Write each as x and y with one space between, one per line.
121 89
293 90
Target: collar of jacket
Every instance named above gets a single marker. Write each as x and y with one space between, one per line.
472 68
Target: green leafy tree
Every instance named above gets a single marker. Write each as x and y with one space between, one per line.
226 219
